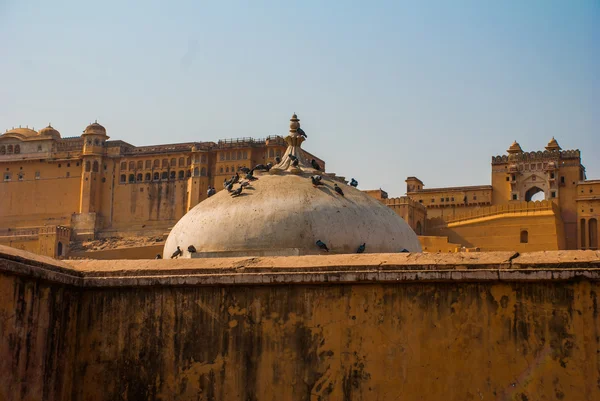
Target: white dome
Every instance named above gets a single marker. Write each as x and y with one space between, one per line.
284 214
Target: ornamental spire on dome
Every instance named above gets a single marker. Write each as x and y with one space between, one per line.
294 159
515 148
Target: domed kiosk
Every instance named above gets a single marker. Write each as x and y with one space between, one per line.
282 213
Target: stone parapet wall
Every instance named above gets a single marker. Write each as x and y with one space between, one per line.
344 327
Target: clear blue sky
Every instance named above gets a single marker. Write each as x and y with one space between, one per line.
384 90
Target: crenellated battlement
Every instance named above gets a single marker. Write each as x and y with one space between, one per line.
545 155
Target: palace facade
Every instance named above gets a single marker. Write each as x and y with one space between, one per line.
89 186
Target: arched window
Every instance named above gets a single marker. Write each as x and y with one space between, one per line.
123 165
156 176
2 150
203 172
245 155
582 229
196 158
189 161
181 175
221 170
131 178
227 169
148 163
181 162
140 177
131 166
419 229
123 178
203 159
140 165
593 233
173 162
96 142
95 167
271 152
147 178
17 149
164 176
196 172
172 175
156 163
222 156
524 237
88 166
9 149
39 148
59 249
239 155
189 173
228 157
165 163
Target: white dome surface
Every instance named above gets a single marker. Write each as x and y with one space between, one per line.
282 213
286 215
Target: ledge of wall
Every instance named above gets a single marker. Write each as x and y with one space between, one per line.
366 268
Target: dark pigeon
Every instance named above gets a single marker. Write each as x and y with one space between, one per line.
316 180
245 184
191 249
244 170
269 166
361 248
322 245
177 253
301 132
235 178
260 167
237 192
250 176
158 256
295 162
315 165
291 156
229 187
278 160
353 183
338 189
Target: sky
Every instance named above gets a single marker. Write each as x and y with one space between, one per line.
384 89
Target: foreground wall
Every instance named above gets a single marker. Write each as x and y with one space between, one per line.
362 327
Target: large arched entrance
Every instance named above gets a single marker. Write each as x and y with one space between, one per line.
535 194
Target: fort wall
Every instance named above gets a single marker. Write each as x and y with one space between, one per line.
346 327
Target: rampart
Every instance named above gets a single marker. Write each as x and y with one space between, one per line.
509 208
467 326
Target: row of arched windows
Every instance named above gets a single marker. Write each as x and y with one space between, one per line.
10 149
228 169
239 155
165 175
156 163
92 167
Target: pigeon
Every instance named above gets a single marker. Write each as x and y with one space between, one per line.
295 162
244 169
338 189
278 159
353 183
229 187
235 178
250 176
245 184
260 167
301 132
237 192
269 166
291 156
315 165
191 249
177 253
322 245
361 248
316 180
158 256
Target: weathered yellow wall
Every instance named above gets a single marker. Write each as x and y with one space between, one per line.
37 339
139 252
431 243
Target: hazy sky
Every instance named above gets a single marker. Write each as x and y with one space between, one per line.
384 90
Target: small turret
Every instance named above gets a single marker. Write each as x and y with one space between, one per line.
514 148
553 145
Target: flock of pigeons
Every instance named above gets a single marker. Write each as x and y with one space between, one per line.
247 182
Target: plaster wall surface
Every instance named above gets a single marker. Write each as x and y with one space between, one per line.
361 327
